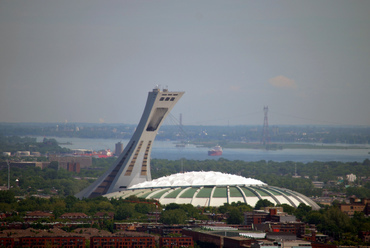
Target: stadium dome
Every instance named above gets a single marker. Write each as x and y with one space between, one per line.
212 189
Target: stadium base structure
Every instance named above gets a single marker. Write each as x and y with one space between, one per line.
133 165
213 189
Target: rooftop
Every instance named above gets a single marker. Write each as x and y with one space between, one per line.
198 178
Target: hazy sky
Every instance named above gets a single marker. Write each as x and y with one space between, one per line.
94 61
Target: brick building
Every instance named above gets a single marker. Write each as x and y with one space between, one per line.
74 216
84 162
296 228
6 242
73 167
255 217
175 241
65 242
356 205
122 242
274 214
37 215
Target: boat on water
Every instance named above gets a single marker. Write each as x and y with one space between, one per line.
215 151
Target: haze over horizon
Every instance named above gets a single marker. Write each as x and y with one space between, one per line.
91 61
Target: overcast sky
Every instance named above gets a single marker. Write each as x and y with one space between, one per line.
95 61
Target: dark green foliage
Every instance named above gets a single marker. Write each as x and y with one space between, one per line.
189 210
302 211
234 211
173 206
7 196
263 203
15 143
173 216
314 217
142 208
360 192
125 212
235 216
331 221
288 209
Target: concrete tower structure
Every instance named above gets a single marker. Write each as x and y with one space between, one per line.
133 165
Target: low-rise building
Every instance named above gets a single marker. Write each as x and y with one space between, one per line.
137 242
84 162
104 215
274 214
176 242
318 184
6 242
37 215
365 236
356 205
255 217
67 242
280 244
74 216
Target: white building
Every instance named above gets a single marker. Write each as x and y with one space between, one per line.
351 178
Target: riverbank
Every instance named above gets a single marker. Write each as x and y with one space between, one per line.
248 151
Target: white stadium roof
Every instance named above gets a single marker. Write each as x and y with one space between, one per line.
198 178
212 189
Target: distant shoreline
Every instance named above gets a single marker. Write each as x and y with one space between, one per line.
281 146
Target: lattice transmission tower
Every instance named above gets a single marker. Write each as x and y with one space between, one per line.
265 131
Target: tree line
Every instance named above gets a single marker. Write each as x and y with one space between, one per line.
33 180
193 133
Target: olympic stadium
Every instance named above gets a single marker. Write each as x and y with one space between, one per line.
212 189
130 173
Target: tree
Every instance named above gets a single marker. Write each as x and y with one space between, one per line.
302 211
288 209
172 206
223 209
142 208
7 196
175 216
314 217
81 207
235 216
105 206
70 201
59 208
124 211
190 210
263 203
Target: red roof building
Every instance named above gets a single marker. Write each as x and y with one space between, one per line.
37 215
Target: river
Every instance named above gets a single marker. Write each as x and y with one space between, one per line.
168 150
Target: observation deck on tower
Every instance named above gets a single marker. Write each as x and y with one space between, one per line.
133 165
